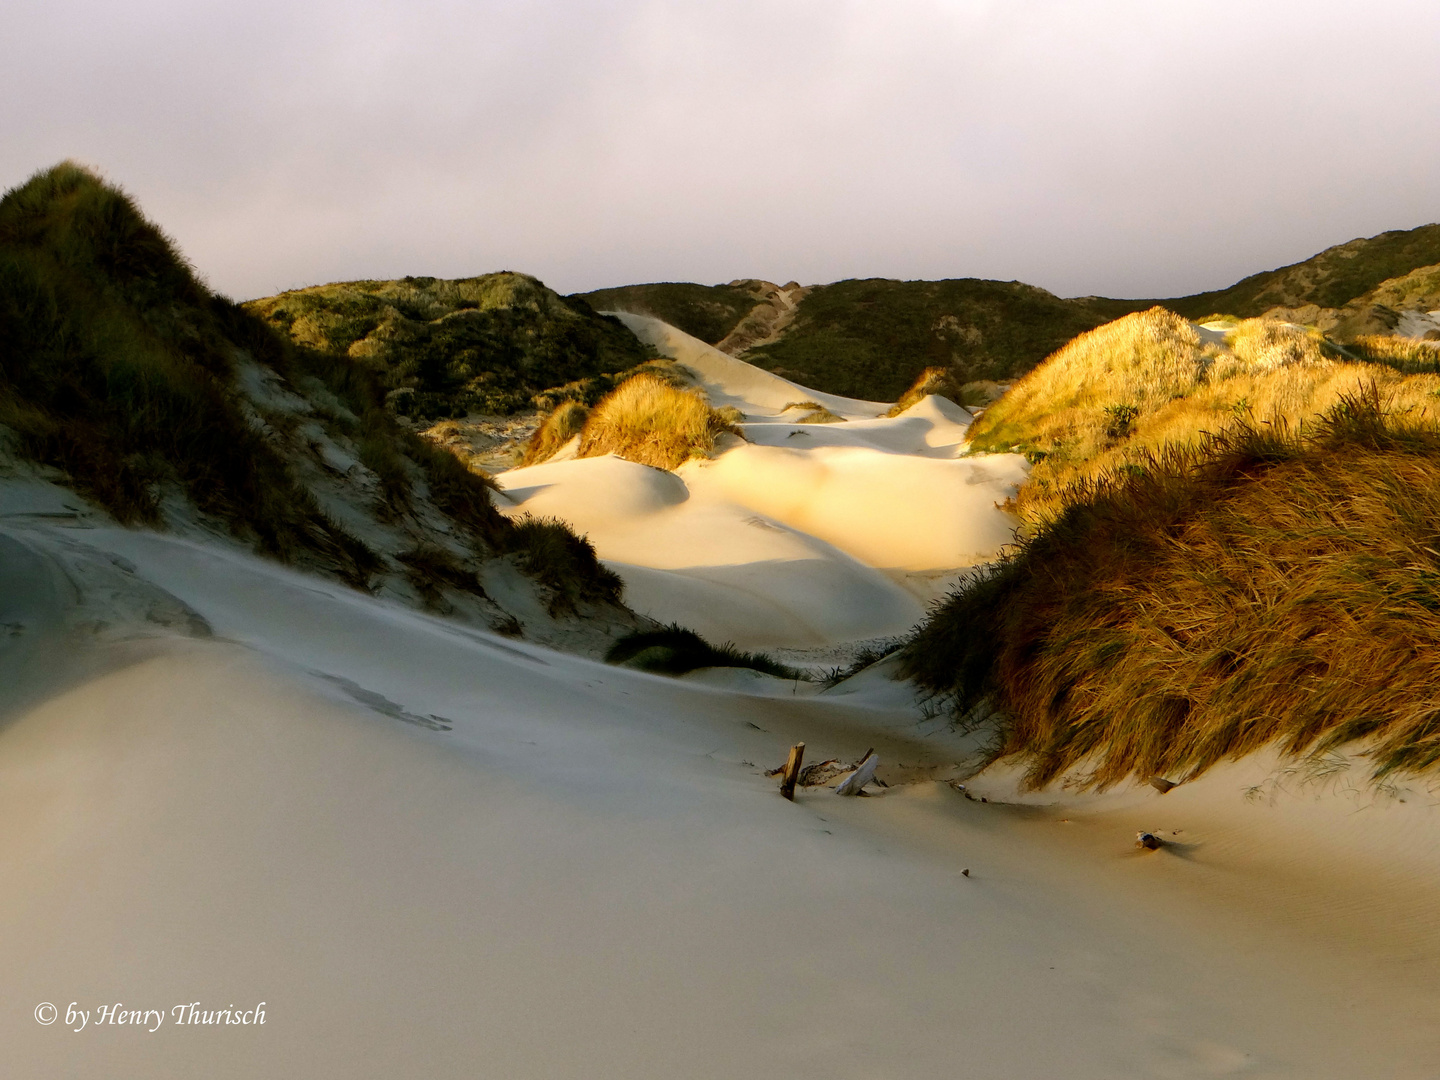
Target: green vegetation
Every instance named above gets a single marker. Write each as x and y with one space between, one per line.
1270 584
708 312
647 420
566 564
487 344
675 650
871 339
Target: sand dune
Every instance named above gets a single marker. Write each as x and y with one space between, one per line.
809 534
729 381
435 852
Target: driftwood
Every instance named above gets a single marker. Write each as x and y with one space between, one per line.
792 771
852 784
1160 784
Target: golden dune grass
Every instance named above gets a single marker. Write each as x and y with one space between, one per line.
1268 586
648 421
565 421
1112 399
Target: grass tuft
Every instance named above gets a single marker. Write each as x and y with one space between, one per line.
563 424
564 563
649 421
675 651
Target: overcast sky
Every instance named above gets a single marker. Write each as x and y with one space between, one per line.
1089 146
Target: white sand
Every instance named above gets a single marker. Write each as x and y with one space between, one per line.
808 535
585 876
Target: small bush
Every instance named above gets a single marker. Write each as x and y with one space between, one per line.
1120 420
648 421
430 568
675 650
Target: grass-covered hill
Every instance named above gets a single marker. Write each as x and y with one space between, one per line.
445 348
125 378
1117 396
1332 279
872 338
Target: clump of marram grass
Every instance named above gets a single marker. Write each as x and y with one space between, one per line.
815 413
566 564
821 416
945 382
1271 585
675 650
646 420
565 422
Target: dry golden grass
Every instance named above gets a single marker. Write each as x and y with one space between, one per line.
565 421
1116 397
1261 344
1268 586
1140 361
647 420
1403 354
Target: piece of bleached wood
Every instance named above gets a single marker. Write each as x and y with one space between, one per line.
852 784
792 771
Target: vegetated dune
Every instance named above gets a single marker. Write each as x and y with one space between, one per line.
164 404
1116 396
871 338
445 348
729 381
804 535
1270 586
410 840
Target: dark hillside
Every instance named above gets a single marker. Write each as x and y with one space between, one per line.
871 338
708 312
486 344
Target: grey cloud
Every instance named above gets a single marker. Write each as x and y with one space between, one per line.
1113 146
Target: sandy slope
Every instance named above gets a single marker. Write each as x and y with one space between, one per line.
435 852
806 535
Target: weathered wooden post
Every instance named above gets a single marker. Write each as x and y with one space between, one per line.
792 771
